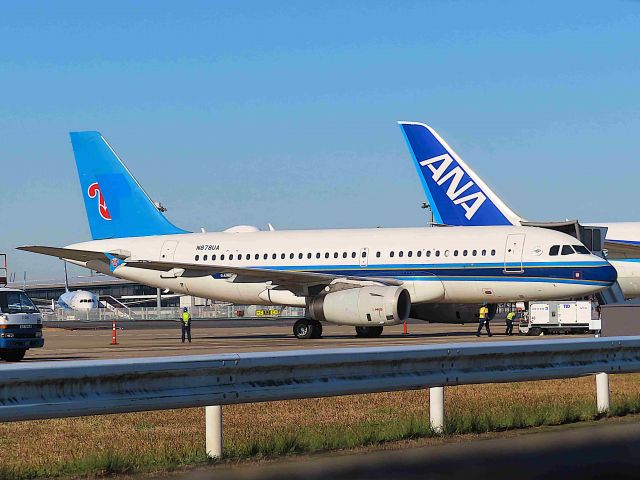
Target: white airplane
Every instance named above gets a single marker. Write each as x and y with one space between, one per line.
367 278
79 300
459 197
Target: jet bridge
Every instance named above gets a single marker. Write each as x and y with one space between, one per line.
592 237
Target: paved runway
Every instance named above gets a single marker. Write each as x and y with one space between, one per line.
593 451
78 340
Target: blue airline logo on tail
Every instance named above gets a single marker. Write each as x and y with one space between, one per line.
456 197
470 203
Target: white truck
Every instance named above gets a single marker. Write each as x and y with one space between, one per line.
20 325
560 317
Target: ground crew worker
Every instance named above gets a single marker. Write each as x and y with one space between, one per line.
483 320
510 318
186 324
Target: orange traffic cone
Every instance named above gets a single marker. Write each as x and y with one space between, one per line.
114 339
404 329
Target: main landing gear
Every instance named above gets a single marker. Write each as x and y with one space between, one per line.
368 332
307 328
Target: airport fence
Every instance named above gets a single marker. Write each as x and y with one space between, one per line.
212 312
77 388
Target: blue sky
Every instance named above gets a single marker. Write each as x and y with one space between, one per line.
285 112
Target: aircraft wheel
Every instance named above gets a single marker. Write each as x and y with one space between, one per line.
13 355
303 329
317 329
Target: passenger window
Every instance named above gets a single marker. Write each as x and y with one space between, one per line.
419 253
364 254
493 253
231 257
474 253
308 255
377 254
567 250
400 253
318 255
197 257
282 256
300 256
455 253
204 258
248 256
221 257
291 255
344 254
265 256
335 254
464 253
484 253
581 249
353 254
274 256
410 253
553 251
391 253
437 253
213 257
257 257
428 253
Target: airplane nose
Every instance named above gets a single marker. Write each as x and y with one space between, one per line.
609 274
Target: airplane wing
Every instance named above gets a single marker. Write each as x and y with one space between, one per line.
291 278
279 277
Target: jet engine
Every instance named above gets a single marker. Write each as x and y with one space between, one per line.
362 306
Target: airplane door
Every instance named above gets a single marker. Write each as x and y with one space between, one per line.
168 250
364 257
513 253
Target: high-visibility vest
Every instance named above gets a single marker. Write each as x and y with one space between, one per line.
511 315
186 317
483 312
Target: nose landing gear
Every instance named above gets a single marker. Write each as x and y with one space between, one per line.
307 328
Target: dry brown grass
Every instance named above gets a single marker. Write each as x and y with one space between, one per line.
142 441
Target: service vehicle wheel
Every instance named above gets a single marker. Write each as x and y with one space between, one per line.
535 331
303 329
317 329
13 355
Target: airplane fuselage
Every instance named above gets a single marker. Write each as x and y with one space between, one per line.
436 265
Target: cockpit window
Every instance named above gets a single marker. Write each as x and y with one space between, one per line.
567 250
554 250
581 249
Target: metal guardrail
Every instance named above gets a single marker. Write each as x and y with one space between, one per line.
76 388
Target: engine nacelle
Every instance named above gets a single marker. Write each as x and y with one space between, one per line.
450 312
362 306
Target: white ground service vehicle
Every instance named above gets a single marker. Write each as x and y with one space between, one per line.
560 317
20 325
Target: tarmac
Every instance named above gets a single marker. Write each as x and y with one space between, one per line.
92 340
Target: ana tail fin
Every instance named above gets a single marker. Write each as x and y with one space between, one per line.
117 206
456 194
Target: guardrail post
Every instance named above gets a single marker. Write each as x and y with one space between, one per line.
602 392
436 409
213 422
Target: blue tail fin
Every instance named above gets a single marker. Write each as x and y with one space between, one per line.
456 194
116 204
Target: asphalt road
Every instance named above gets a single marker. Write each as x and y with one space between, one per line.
83 340
606 450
